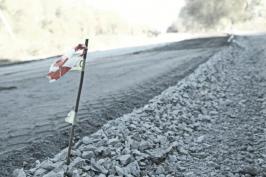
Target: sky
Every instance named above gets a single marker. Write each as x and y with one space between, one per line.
158 14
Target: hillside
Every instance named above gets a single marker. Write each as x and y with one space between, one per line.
38 28
223 15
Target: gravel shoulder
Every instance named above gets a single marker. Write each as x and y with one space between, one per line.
212 123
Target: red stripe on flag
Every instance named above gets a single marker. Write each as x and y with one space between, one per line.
59 73
55 75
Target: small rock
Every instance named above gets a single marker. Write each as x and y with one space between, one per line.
189 174
59 166
37 163
172 158
133 144
87 154
60 156
161 175
25 163
86 140
100 150
249 170
47 165
159 170
182 151
102 175
19 173
129 170
86 167
76 153
97 167
126 150
113 141
54 174
120 171
250 149
263 173
133 168
76 173
200 139
40 172
124 159
77 163
144 145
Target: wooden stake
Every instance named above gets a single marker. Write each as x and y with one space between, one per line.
77 104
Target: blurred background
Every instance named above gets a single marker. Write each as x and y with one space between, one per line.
34 29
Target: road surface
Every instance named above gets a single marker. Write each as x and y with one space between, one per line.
32 111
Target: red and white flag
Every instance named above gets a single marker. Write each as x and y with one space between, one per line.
66 62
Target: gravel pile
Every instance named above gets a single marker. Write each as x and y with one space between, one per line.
209 124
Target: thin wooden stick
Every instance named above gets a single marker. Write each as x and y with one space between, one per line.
77 104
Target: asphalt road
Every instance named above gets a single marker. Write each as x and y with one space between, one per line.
32 110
